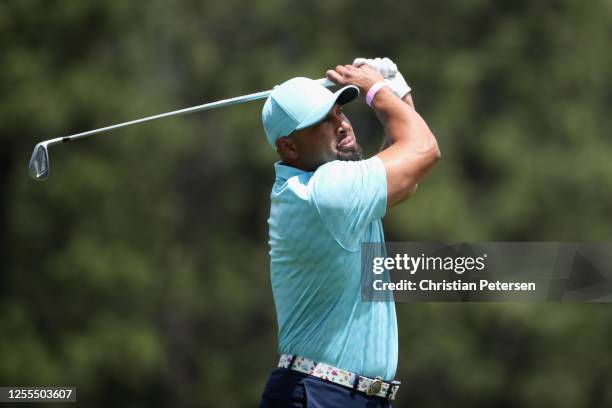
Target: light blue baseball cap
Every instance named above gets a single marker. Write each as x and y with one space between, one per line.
299 103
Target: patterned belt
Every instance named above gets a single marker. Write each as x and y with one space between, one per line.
369 386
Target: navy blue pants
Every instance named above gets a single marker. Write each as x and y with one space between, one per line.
291 389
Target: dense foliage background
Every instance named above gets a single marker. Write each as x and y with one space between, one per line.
139 271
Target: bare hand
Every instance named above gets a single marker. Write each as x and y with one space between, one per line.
363 77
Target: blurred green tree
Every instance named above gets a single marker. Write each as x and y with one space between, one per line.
139 272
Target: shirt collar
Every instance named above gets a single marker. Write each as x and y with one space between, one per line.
286 172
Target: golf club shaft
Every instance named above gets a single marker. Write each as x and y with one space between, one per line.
199 108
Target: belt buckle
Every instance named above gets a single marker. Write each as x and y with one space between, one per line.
375 386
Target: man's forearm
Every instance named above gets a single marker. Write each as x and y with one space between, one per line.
402 123
412 149
386 141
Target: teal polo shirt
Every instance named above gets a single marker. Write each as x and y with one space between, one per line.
317 222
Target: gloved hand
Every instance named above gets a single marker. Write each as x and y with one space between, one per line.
394 79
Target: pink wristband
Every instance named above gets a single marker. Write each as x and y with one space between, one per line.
373 91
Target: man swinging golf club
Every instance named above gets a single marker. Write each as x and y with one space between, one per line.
336 351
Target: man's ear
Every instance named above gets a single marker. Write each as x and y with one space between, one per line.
286 149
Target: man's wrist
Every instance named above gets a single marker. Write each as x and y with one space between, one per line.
374 89
382 98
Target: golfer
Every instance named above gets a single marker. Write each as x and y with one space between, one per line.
336 351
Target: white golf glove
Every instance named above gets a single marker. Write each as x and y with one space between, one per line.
393 78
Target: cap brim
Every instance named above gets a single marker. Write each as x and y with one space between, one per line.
346 94
341 96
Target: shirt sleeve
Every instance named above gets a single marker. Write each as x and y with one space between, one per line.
348 196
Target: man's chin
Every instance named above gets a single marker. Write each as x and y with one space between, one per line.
354 154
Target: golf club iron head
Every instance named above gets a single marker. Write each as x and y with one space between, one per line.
39 163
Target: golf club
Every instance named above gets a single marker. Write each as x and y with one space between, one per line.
39 163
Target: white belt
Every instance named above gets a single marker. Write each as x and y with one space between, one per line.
369 386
